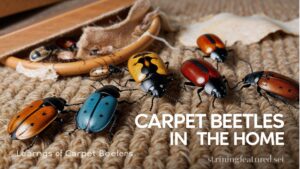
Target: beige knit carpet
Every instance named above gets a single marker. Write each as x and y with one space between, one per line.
150 147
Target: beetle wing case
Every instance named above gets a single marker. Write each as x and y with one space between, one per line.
208 43
96 113
35 123
280 85
145 63
199 71
17 119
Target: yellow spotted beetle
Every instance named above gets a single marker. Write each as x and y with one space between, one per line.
148 70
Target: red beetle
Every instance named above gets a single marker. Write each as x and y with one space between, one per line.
204 75
274 85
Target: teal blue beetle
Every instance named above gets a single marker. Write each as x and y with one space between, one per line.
99 110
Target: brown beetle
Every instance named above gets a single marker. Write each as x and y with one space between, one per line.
103 72
274 84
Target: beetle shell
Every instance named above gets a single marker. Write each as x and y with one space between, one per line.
97 112
143 64
100 72
199 71
208 43
66 55
279 85
32 120
39 54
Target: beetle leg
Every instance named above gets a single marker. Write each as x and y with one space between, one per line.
116 82
100 81
140 98
152 103
226 81
258 89
187 84
126 102
110 132
129 80
282 99
32 143
213 102
245 86
167 64
198 92
71 132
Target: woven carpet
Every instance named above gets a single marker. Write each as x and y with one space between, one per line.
150 148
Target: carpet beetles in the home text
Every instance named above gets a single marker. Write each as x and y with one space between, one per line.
204 75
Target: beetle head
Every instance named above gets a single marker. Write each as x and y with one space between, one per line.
156 85
158 90
58 102
111 90
216 87
252 78
219 54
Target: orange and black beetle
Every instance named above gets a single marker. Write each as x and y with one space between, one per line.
274 84
33 119
211 45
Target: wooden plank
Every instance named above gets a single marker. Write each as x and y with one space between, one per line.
53 27
9 7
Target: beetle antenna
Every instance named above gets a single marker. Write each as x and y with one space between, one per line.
128 90
94 87
152 103
213 102
72 131
73 104
246 85
143 96
116 82
250 66
236 85
101 83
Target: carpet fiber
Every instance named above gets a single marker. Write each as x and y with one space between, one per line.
150 147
